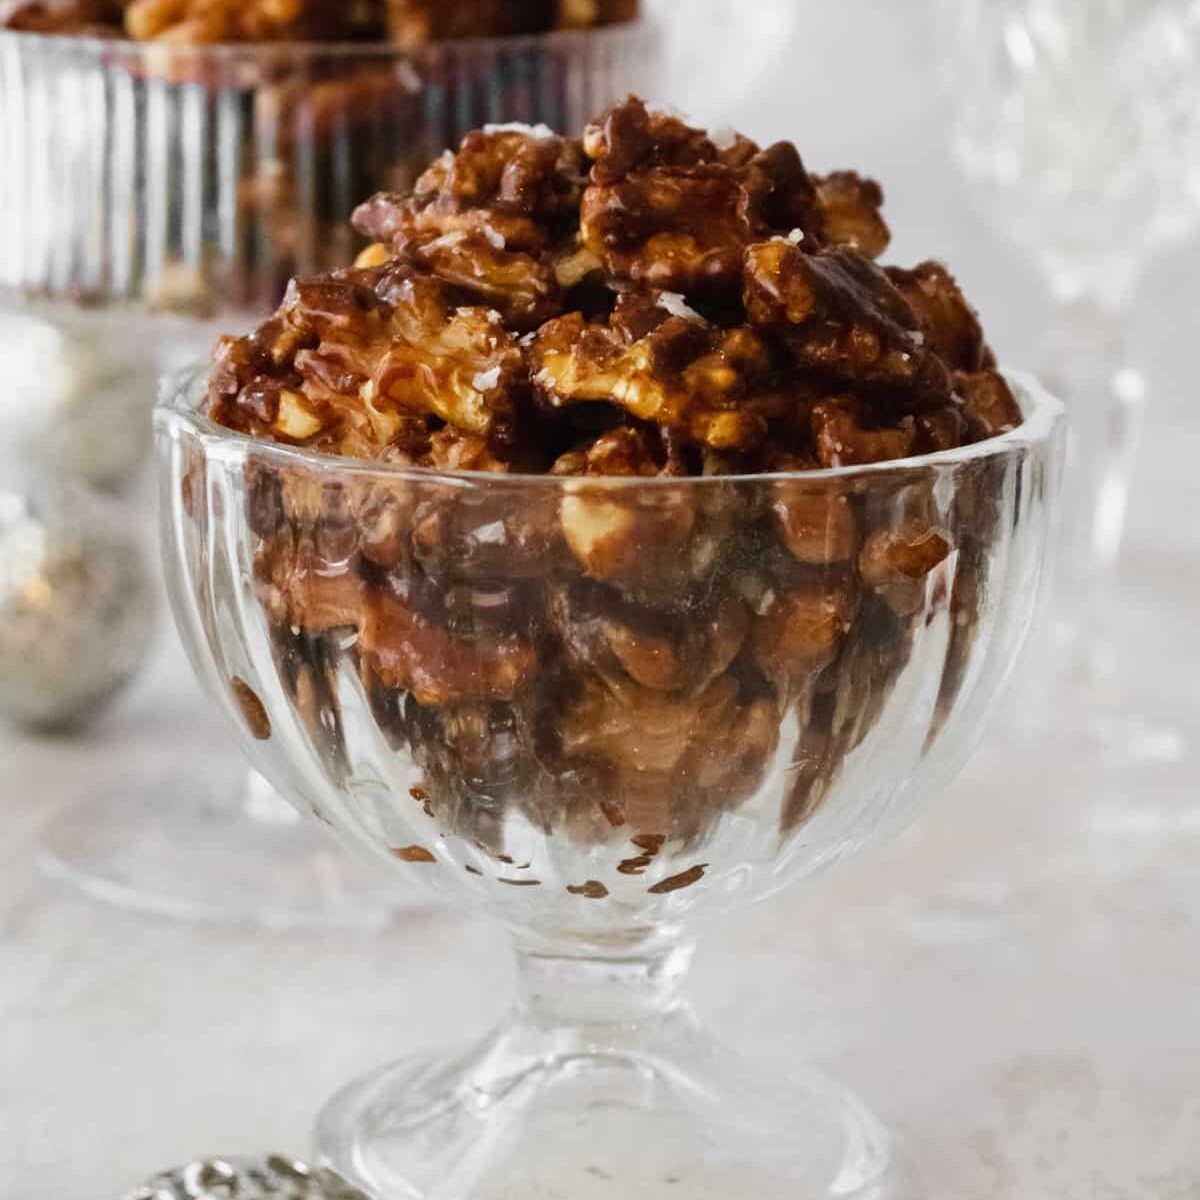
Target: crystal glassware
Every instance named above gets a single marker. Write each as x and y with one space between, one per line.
602 711
1078 127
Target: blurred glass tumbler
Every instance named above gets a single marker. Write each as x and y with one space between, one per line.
1078 126
479 736
153 193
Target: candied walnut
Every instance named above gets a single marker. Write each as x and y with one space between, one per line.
845 435
87 18
949 324
838 312
351 356
686 229
250 20
479 761
406 649
719 740
625 451
941 427
483 219
415 23
817 526
510 180
844 705
299 587
657 543
897 562
701 381
524 290
617 539
631 134
668 209
990 406
483 536
850 206
678 228
802 624
658 649
584 14
641 729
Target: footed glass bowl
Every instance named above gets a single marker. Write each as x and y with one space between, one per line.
604 711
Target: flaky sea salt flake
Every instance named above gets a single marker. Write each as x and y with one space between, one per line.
677 306
539 131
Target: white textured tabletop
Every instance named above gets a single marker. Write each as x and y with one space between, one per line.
1013 985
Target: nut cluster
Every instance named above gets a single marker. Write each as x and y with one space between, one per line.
408 23
650 302
694 295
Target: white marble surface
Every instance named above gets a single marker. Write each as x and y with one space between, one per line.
1013 985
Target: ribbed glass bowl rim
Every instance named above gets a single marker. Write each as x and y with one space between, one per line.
105 49
181 394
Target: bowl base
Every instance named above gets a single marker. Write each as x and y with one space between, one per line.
178 853
536 1113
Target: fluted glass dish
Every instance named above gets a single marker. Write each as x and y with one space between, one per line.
602 711
155 195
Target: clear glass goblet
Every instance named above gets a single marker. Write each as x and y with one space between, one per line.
603 711
1077 126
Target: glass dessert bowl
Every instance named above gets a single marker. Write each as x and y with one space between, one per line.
604 771
614 545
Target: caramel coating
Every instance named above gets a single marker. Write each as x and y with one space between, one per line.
838 313
896 562
989 402
714 293
351 356
666 209
483 220
408 23
89 18
650 302
850 206
683 376
950 325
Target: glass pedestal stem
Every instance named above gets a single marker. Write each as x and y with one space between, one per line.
603 1084
566 991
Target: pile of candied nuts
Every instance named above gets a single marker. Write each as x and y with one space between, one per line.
650 301
408 23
